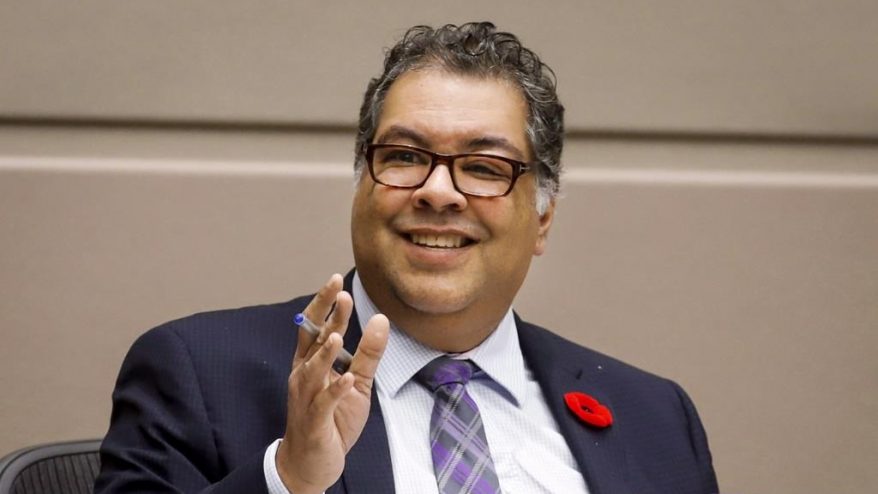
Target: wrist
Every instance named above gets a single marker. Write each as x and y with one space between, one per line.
291 479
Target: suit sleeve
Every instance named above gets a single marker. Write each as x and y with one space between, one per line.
160 437
698 442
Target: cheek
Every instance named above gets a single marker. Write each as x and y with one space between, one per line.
374 208
522 233
362 217
513 228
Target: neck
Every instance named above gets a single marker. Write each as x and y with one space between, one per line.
449 332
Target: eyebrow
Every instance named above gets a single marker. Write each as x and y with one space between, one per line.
398 132
495 142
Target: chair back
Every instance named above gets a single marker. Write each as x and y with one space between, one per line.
57 468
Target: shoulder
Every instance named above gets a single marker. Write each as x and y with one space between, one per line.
639 396
216 339
651 413
251 324
198 359
541 343
627 384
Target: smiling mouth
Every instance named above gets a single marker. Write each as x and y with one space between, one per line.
440 241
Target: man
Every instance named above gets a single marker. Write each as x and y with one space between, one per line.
457 167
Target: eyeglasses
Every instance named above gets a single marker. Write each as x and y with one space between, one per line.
408 167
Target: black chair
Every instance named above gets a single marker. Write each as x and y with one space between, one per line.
57 468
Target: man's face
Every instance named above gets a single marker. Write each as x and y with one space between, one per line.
484 245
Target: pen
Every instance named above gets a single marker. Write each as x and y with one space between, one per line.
342 360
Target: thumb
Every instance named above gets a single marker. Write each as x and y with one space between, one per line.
369 351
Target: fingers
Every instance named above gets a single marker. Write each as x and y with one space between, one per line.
313 373
338 320
326 396
331 309
317 311
326 412
369 352
324 404
336 324
311 456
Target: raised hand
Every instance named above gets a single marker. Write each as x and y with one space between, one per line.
326 412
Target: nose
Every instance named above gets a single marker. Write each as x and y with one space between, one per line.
438 192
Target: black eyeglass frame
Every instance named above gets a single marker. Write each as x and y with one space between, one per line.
518 167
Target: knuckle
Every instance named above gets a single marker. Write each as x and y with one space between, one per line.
299 370
363 385
293 382
371 353
326 351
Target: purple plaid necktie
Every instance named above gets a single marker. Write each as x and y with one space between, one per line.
461 458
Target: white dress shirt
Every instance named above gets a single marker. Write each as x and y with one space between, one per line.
530 454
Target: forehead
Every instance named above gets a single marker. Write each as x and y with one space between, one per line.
445 108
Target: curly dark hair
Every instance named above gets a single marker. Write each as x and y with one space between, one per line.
477 49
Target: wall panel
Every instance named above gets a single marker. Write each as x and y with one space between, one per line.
754 289
718 227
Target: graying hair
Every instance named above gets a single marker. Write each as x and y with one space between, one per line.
477 49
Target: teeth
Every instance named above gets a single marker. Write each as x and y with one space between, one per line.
442 241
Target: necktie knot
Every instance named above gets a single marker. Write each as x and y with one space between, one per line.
445 370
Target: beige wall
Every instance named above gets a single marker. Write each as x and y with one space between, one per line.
719 224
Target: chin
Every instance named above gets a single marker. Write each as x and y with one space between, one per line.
434 300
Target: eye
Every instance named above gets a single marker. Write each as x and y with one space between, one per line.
401 157
487 169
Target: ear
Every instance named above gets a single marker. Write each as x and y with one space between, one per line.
543 231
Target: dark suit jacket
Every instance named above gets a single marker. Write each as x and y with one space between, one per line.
199 399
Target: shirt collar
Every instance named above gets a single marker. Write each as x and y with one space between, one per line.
499 356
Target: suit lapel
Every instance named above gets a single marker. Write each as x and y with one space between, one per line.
367 466
600 453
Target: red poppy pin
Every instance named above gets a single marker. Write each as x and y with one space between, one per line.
588 409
